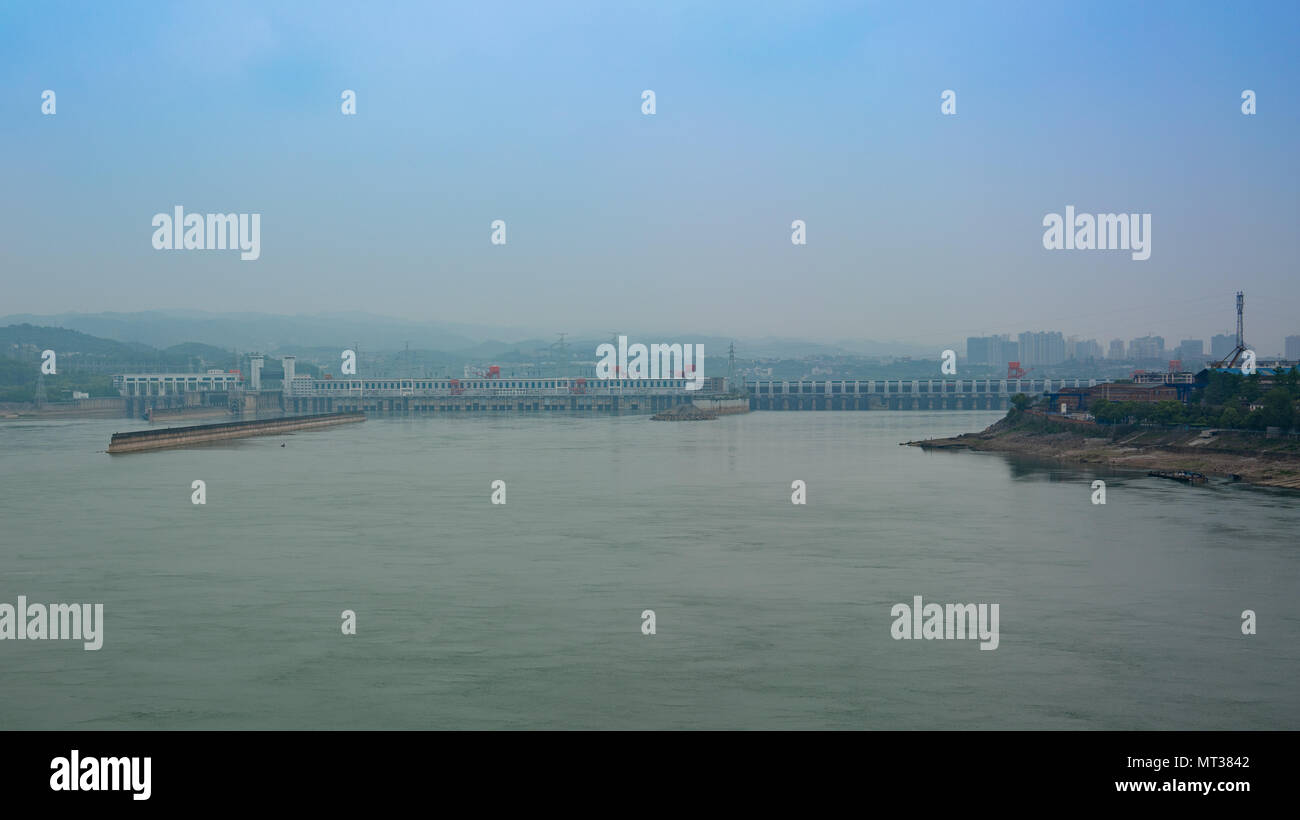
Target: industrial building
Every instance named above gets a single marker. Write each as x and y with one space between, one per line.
1076 399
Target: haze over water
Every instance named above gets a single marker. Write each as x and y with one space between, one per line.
769 615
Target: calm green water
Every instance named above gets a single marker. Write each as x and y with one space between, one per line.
528 615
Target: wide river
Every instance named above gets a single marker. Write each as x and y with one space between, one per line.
1126 615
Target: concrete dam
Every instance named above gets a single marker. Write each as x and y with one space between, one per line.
187 392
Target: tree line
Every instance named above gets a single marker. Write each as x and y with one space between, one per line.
1224 401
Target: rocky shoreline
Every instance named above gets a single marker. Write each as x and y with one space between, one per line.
1227 454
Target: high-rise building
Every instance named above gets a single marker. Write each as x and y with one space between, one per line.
1146 348
1293 348
977 349
1221 345
1041 348
1010 350
1076 348
1116 349
1191 351
990 350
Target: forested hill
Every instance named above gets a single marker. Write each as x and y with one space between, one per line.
87 363
14 339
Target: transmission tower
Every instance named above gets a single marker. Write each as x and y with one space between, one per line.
1235 356
731 366
1241 334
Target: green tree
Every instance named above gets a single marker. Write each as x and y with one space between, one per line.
1278 409
1103 411
1254 420
1252 387
1230 418
1167 412
1290 381
1221 388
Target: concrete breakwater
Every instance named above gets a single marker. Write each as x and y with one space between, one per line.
184 436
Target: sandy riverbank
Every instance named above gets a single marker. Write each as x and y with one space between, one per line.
1252 457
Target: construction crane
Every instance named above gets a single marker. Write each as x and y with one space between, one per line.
1239 351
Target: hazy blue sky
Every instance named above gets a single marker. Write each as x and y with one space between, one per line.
921 227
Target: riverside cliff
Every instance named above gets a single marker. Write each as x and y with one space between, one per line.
1232 454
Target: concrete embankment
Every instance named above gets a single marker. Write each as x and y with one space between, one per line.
184 436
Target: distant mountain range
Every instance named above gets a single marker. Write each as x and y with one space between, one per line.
270 333
26 341
246 331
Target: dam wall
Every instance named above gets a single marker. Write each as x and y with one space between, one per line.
184 436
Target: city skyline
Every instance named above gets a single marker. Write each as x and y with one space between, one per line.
468 335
